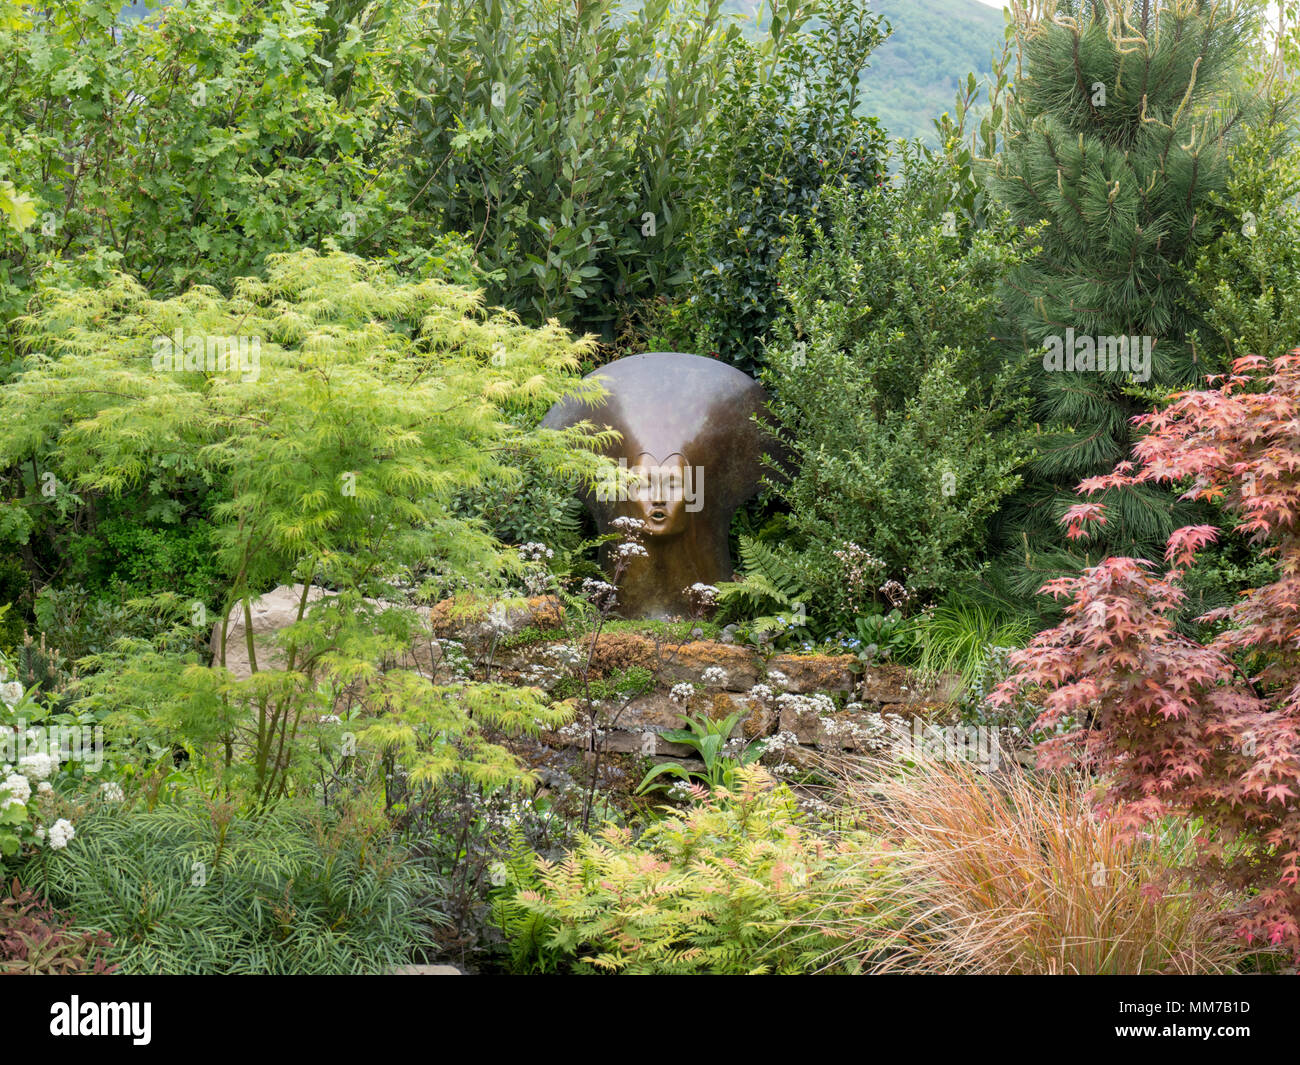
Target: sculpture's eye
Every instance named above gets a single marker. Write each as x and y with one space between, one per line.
642 484
670 485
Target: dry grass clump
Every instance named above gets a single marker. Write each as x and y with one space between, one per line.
1017 873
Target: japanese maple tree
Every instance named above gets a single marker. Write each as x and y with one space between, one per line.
1201 729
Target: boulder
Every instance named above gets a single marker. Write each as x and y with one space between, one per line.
815 673
276 610
895 686
478 623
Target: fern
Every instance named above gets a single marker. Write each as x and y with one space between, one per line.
735 884
768 585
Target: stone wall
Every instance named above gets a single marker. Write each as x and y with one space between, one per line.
784 695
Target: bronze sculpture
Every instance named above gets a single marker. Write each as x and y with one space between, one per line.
690 440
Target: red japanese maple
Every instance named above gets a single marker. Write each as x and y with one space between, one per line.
1209 730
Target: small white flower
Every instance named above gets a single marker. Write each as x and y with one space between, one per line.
714 675
778 678
110 791
10 693
497 874
61 833
44 788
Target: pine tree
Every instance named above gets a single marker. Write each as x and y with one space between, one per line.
1116 143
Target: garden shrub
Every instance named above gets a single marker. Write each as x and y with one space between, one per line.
786 124
893 392
190 145
1114 156
558 138
1207 729
198 888
372 406
734 884
193 143
60 764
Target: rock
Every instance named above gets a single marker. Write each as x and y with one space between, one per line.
803 721
647 743
890 685
652 710
656 710
689 663
478 623
275 610
815 673
425 970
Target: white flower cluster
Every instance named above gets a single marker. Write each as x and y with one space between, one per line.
580 730
775 749
680 791
818 702
702 598
778 678
61 833
632 527
17 789
602 594
111 791
10 690
498 621
535 552
38 766
714 675
681 693
565 654
895 592
627 552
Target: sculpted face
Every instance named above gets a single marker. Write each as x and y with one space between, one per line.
679 417
665 493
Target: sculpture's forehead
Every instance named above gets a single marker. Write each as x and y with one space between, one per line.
664 403
645 458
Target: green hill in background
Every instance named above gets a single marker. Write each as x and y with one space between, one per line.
913 77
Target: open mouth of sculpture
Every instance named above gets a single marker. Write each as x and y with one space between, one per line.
658 514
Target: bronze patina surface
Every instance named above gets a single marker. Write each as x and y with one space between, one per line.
689 436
